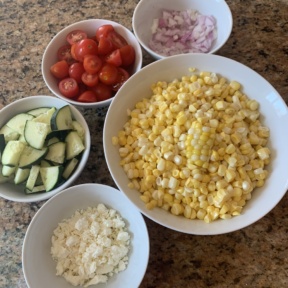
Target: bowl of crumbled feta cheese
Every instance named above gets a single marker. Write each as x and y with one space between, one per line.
165 28
87 235
198 143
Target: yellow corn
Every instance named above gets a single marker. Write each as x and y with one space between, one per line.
199 143
196 147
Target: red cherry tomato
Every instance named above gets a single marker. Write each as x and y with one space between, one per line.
90 79
87 96
85 47
76 70
127 55
108 74
117 40
60 69
68 87
123 76
92 64
114 58
102 91
76 36
104 46
103 31
64 53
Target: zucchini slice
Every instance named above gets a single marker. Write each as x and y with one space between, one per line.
35 133
60 134
52 141
2 143
12 152
51 176
17 123
74 145
31 156
70 168
37 111
8 171
56 152
21 175
5 179
36 189
33 175
45 117
62 119
9 134
80 130
45 163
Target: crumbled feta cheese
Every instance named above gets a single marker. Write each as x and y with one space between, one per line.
91 246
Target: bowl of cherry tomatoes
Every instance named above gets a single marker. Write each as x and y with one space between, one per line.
87 62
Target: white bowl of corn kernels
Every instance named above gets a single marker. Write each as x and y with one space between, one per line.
198 144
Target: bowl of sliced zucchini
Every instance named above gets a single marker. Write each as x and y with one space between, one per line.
44 146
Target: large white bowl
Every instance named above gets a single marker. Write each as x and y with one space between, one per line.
38 266
89 26
275 116
147 10
16 192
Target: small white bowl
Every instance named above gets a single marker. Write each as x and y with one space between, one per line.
275 116
89 26
148 10
16 193
38 266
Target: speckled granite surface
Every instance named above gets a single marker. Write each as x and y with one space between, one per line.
256 256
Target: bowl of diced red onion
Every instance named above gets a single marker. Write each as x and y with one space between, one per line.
165 28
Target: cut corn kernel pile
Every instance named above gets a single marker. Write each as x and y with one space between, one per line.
196 148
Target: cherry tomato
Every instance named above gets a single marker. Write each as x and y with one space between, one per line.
104 46
76 36
68 87
114 58
90 79
92 64
117 40
87 96
76 70
123 76
85 47
102 91
60 69
72 51
108 74
64 53
103 31
127 55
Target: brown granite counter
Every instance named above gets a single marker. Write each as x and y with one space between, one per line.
256 256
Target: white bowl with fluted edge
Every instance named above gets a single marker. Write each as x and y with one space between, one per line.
37 242
274 115
16 193
89 26
148 10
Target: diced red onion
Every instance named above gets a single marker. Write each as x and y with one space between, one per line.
178 32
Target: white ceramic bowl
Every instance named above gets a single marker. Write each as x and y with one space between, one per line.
37 243
16 192
147 10
275 116
89 26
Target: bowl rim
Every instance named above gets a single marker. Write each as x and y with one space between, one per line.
160 56
75 112
70 27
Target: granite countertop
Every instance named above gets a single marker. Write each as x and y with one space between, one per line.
256 256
